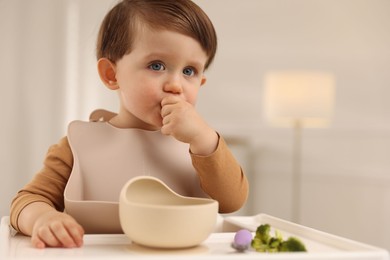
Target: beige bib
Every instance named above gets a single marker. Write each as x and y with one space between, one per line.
106 157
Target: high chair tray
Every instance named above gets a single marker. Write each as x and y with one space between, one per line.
320 245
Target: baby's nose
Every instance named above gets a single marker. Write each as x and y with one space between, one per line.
173 85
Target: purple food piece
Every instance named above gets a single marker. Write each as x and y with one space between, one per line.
242 240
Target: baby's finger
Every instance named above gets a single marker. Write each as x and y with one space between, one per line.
46 236
166 130
77 233
165 111
171 99
168 109
62 235
37 243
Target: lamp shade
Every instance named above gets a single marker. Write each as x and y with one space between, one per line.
303 96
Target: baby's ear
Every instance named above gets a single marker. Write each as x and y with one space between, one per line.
107 71
203 81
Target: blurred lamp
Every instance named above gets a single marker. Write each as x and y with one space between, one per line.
298 99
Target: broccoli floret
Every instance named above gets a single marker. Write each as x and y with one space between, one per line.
263 233
258 245
264 242
292 244
278 235
262 238
275 242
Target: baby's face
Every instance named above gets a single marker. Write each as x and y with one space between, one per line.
161 63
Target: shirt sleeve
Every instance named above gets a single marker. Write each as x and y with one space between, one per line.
222 178
48 184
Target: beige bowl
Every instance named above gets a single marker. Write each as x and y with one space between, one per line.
153 215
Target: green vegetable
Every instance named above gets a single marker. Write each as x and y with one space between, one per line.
262 233
292 245
264 242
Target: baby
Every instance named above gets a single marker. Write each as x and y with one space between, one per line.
153 53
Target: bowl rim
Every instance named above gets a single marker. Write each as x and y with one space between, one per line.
124 200
208 203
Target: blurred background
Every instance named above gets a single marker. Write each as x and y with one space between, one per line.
333 177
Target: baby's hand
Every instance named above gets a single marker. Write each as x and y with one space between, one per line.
56 229
182 121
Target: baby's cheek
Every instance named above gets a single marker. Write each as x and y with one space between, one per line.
192 101
192 97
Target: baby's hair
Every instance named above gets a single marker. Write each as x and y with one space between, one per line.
120 25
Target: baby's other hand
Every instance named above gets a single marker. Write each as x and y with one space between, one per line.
56 229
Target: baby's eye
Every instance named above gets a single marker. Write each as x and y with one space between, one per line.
189 71
156 66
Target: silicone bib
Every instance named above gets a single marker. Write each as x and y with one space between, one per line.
106 157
